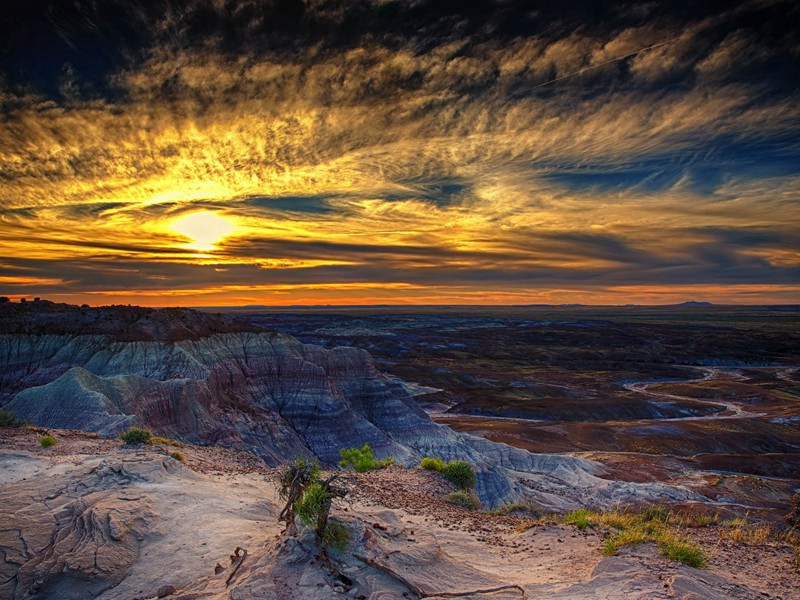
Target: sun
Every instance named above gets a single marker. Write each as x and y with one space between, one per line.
205 228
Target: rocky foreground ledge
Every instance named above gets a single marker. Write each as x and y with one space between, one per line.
90 518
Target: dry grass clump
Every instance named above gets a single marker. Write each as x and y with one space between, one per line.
177 455
742 531
167 442
654 524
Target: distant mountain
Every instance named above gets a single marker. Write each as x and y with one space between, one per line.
692 303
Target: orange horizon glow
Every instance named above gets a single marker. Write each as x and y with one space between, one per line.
366 295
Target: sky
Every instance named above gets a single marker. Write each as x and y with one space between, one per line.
280 152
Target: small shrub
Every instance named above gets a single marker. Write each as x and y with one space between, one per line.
335 536
137 435
464 499
460 474
432 464
47 441
362 459
9 419
178 456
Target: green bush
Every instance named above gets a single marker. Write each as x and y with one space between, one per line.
137 435
432 464
465 499
335 536
362 459
460 474
47 440
9 419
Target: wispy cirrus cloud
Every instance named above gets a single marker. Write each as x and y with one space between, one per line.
393 144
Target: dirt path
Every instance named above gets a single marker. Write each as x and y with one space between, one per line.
709 374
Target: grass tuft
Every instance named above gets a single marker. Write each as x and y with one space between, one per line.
581 518
47 441
177 455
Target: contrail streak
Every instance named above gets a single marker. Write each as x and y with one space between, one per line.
608 62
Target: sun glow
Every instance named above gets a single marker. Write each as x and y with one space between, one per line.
205 228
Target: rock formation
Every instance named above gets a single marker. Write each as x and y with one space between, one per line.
214 380
111 522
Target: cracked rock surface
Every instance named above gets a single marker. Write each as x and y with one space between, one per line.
90 518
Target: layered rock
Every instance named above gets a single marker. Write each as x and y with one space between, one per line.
213 380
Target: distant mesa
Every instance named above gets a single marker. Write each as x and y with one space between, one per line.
694 303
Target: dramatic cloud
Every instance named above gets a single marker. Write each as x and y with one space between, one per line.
283 152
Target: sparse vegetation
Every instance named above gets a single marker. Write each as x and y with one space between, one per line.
743 532
136 435
465 499
460 474
432 464
47 441
167 442
630 528
362 459
177 455
9 419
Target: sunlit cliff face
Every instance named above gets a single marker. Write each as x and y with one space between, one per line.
393 152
